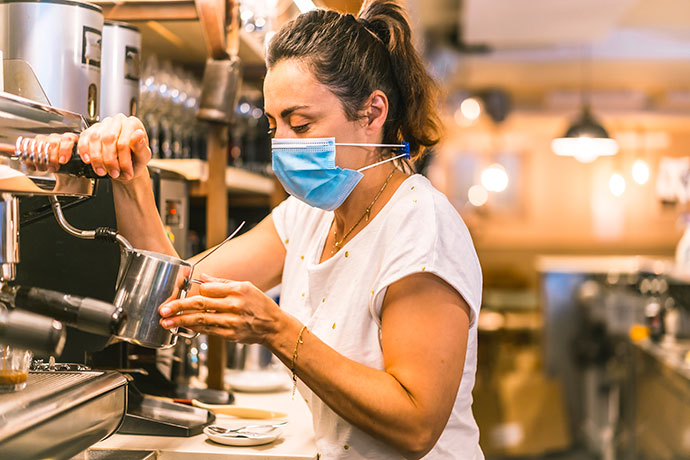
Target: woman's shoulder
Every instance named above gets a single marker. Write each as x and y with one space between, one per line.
429 235
419 203
423 222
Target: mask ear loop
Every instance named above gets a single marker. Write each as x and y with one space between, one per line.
403 150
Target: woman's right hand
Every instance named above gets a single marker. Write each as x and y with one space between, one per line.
117 146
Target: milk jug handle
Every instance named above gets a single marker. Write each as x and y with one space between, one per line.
186 333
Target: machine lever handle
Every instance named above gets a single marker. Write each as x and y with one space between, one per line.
27 149
76 167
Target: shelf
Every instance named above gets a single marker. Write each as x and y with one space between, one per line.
171 30
237 181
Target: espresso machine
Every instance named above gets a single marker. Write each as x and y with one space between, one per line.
60 43
55 258
63 409
69 281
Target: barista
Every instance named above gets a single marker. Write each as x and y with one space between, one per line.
381 285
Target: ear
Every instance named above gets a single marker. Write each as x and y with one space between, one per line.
376 111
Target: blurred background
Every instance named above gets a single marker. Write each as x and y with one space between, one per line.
567 153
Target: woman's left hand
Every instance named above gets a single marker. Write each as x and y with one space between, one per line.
236 310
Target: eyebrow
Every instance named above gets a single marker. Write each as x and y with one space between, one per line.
287 112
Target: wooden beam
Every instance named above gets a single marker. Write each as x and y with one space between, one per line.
149 10
344 6
216 231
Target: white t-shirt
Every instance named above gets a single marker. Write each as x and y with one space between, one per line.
340 300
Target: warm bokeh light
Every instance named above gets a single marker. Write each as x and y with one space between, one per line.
586 156
470 108
640 172
305 5
584 149
617 184
477 195
495 178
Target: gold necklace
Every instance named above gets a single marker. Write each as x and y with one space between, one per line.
338 244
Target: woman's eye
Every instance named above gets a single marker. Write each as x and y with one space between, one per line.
300 128
271 132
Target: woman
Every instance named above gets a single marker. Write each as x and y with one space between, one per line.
380 297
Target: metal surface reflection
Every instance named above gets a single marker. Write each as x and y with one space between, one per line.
21 120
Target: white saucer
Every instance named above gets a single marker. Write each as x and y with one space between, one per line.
253 441
257 381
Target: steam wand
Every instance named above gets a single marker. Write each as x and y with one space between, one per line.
101 233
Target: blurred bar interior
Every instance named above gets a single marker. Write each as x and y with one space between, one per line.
567 153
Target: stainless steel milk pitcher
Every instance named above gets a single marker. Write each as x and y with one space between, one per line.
145 281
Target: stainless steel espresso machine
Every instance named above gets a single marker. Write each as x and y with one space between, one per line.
63 409
60 43
48 265
51 61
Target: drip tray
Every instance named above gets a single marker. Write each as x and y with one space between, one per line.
60 414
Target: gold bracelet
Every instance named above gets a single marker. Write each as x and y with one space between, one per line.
294 359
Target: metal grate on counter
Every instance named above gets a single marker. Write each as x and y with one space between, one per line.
40 384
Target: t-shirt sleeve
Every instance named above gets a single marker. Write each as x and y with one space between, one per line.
440 245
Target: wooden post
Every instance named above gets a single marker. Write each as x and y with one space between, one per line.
216 231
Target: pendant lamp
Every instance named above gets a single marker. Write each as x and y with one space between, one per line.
585 140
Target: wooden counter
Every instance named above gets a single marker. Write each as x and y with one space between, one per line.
296 441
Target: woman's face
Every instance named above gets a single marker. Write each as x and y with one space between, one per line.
297 105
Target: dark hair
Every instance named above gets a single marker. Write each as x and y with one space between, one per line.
356 56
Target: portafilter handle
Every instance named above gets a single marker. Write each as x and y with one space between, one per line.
83 313
22 329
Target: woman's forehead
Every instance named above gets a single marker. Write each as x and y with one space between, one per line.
291 83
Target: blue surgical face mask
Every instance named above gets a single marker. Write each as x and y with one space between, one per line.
307 170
